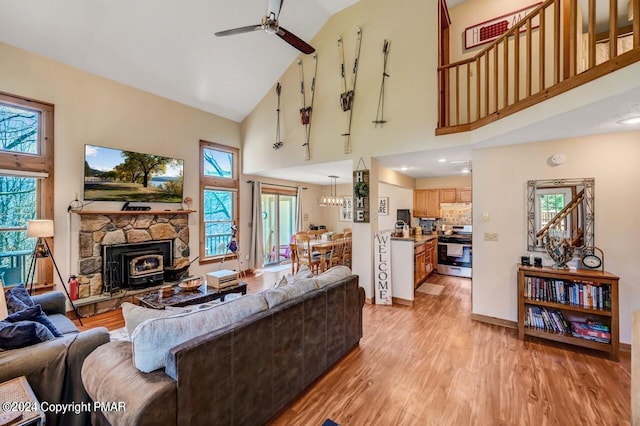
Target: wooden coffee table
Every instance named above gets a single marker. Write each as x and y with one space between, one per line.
181 297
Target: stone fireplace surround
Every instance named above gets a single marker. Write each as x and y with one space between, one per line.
99 229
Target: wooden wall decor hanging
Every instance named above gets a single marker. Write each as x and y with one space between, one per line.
306 110
279 142
361 195
386 47
348 95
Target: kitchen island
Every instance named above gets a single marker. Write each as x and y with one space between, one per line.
412 260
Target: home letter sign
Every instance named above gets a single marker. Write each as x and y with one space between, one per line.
361 196
382 268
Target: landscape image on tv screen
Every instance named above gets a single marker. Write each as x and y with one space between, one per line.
117 175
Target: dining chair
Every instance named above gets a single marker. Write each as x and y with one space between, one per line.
316 234
304 255
337 251
346 253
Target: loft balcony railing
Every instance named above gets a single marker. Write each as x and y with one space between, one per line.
557 47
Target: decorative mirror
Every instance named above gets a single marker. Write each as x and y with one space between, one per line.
560 210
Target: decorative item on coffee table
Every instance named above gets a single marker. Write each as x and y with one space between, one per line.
191 283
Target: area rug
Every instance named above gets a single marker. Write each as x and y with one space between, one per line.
433 289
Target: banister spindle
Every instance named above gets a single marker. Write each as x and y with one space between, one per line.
613 29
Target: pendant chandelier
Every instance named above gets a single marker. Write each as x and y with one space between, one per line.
332 200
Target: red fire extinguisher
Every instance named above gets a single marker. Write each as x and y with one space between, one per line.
73 287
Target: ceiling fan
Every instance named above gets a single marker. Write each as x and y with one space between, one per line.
271 26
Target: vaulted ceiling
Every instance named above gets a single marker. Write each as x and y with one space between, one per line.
167 47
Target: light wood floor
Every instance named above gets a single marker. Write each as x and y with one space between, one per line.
430 364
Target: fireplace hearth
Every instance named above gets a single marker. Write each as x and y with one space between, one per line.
135 266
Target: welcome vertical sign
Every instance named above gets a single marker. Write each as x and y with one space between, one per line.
382 268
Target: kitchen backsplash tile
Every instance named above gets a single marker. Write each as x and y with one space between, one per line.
456 217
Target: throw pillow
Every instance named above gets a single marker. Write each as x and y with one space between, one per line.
34 313
21 293
14 335
303 272
14 304
135 315
282 281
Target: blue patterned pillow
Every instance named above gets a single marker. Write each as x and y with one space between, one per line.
34 313
14 304
14 335
21 293
18 298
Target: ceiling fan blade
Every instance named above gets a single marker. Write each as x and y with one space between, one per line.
295 41
273 9
240 30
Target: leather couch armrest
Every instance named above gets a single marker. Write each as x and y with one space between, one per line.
52 303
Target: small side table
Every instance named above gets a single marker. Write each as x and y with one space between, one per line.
17 398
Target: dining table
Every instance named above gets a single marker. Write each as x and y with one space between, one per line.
322 247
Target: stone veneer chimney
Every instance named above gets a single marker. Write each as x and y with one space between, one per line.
99 229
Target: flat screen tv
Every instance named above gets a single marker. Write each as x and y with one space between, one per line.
117 175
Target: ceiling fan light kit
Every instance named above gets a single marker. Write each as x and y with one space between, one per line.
271 25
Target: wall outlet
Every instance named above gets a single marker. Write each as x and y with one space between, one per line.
491 236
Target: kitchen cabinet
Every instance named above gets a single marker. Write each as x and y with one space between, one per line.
431 259
426 203
420 203
455 195
433 203
448 195
419 265
463 195
425 261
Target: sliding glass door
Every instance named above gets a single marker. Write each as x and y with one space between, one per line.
278 216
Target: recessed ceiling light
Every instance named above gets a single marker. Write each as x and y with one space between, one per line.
404 168
631 120
442 160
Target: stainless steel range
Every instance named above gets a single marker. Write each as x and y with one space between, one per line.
454 252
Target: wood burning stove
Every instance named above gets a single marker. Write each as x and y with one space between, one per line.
137 265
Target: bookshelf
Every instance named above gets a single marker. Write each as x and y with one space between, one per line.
559 305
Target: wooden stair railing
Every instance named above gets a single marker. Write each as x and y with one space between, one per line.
521 68
561 216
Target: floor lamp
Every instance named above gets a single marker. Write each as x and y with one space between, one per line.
42 229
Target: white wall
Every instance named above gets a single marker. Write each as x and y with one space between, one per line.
93 110
444 182
499 182
399 198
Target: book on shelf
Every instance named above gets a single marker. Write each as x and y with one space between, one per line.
585 294
591 330
546 319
